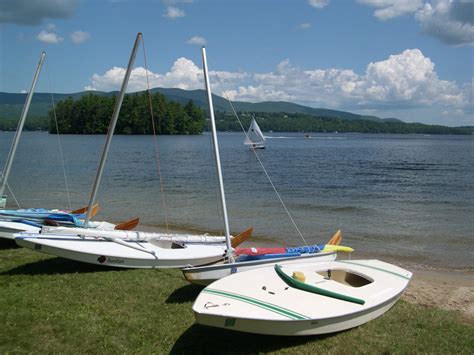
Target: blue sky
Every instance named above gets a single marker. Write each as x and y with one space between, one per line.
410 59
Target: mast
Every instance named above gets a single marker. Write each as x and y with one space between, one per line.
111 130
21 123
217 156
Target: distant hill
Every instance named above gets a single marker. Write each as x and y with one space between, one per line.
11 104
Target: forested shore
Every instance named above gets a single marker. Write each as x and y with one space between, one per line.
91 115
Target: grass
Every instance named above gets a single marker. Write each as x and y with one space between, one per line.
52 305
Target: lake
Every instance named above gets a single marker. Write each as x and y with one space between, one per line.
407 197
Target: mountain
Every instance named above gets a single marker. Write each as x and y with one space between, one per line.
11 104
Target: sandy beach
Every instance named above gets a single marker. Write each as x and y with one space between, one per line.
446 289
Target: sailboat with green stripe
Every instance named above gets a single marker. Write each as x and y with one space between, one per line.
302 299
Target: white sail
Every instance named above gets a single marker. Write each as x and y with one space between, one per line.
254 135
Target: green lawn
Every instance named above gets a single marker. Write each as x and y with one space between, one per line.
58 306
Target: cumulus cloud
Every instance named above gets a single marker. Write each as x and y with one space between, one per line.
174 12
387 9
451 22
33 12
198 40
304 26
184 74
80 36
319 4
49 37
403 81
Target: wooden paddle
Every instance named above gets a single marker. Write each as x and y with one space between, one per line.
242 237
128 225
84 209
336 238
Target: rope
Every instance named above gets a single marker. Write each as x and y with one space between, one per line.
155 141
13 195
60 145
261 165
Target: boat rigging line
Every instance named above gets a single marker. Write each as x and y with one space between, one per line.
260 162
155 141
61 155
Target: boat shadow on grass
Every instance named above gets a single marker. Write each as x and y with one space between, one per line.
184 294
8 244
55 266
201 339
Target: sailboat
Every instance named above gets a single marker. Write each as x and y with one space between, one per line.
254 258
254 137
306 297
131 249
302 299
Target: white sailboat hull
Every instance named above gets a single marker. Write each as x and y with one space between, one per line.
131 235
205 275
298 328
8 228
262 302
126 254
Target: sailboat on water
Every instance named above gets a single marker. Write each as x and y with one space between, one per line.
254 137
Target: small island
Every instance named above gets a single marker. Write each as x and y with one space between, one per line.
91 115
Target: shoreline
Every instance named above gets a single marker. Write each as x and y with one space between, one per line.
447 288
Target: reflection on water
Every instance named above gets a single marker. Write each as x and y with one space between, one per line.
404 195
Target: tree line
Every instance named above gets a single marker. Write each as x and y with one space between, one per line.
91 114
297 122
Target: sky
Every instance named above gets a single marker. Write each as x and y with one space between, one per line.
409 59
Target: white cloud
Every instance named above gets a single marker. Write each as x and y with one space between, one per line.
80 36
404 82
33 12
304 26
174 12
49 37
184 74
23 91
319 4
388 9
198 40
451 22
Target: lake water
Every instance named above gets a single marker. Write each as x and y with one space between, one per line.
406 197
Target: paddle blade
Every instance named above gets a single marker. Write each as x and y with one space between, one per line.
332 247
336 238
84 209
242 237
128 225
95 209
80 210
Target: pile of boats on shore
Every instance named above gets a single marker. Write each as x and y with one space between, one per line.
277 291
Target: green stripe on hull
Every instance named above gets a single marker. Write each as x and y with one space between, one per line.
375 268
268 306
